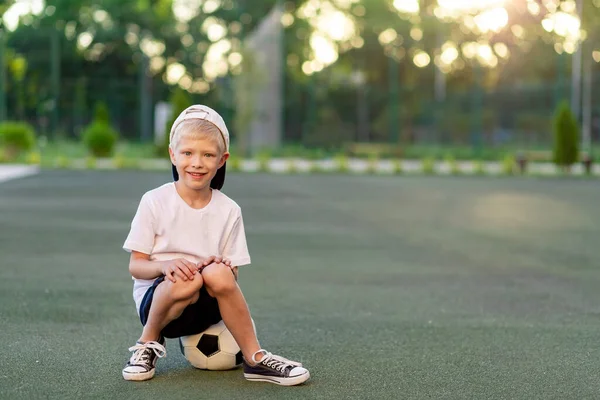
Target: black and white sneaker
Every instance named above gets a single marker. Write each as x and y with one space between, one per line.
142 364
275 369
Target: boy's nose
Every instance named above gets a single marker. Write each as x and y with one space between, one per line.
197 162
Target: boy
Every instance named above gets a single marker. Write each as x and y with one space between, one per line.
187 241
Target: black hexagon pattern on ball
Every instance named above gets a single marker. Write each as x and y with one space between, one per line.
208 345
239 358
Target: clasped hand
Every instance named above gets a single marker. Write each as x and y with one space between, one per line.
186 270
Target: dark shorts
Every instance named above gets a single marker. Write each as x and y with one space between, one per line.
194 319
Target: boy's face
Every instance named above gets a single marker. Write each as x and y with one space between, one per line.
197 161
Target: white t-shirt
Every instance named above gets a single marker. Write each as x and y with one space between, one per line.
166 227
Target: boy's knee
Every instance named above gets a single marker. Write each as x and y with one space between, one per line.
195 298
184 290
218 279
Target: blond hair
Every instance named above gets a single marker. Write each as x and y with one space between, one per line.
198 129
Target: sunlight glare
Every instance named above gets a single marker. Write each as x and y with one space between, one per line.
186 10
421 59
407 6
387 36
19 9
174 73
492 20
324 49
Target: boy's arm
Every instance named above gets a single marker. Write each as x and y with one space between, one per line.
141 267
235 250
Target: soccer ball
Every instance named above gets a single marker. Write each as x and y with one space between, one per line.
214 349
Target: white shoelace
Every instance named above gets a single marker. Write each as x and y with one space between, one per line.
273 361
283 359
141 353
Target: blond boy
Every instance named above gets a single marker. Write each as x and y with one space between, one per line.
187 241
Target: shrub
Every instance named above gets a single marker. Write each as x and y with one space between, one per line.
16 137
90 162
428 166
291 167
508 165
566 142
61 162
234 164
342 163
119 161
479 168
397 168
264 161
372 164
101 113
315 167
453 164
100 139
34 158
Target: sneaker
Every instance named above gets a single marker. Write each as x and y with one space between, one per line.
275 369
294 363
142 364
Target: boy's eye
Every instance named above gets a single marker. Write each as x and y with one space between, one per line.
209 155
187 153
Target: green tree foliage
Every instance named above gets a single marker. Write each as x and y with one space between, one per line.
118 31
566 140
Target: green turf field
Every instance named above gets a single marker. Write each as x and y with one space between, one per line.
385 287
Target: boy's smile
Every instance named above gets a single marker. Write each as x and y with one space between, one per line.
197 175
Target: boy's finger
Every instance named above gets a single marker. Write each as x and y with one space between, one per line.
180 272
188 264
186 274
189 272
208 261
191 269
183 274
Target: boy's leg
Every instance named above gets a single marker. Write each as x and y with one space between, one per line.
220 283
259 364
168 301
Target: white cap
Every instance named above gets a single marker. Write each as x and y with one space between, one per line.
199 111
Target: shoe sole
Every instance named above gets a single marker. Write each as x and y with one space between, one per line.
296 380
139 376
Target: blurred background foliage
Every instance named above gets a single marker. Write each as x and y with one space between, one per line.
467 76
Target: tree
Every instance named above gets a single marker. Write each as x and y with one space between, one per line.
104 41
566 137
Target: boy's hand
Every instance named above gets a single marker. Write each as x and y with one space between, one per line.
213 259
179 268
218 259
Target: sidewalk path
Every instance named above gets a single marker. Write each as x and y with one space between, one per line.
8 172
